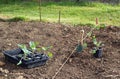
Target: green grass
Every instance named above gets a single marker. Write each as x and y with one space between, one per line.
72 13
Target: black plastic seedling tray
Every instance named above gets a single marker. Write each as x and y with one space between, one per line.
36 60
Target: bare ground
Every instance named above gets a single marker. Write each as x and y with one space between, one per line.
63 38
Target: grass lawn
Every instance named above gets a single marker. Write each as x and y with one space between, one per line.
73 13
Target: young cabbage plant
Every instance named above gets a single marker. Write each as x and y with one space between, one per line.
45 49
24 49
33 46
97 44
25 52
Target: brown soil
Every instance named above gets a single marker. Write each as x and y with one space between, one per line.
63 38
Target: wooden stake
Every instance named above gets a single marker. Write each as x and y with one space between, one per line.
82 38
40 9
59 17
96 21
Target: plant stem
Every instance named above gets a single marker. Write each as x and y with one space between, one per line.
87 34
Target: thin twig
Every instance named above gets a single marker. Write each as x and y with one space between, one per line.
87 34
64 63
92 28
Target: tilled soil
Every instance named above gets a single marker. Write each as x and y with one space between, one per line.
64 39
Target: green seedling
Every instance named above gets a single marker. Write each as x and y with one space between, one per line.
50 54
100 26
45 49
33 49
82 45
95 42
26 52
33 46
24 49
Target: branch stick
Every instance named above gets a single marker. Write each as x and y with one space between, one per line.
87 34
63 64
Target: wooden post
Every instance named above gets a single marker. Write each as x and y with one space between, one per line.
59 17
96 21
40 10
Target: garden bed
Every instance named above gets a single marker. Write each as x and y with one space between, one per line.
63 38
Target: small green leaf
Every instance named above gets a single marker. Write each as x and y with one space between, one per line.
98 44
84 45
22 46
89 34
94 40
39 49
50 54
32 45
44 48
94 36
24 49
20 62
93 51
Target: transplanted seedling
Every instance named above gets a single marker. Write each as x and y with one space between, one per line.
97 51
97 44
